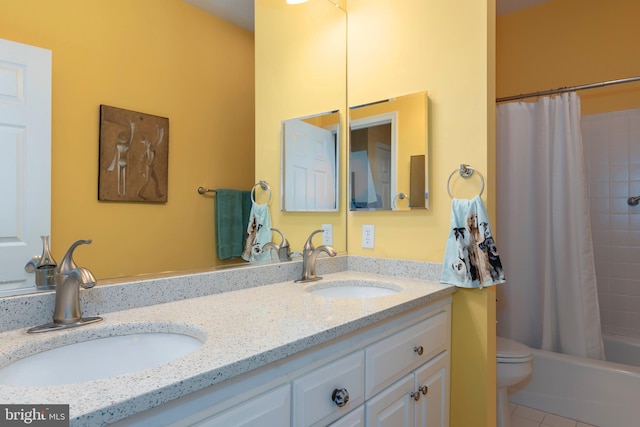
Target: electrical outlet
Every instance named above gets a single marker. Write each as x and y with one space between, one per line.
327 234
368 236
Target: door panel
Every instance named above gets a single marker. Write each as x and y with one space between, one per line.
25 160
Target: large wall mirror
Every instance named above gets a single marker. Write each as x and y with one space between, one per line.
310 147
303 72
388 154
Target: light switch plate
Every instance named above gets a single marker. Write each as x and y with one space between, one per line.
368 240
327 234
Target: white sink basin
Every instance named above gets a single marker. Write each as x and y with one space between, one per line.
354 289
97 358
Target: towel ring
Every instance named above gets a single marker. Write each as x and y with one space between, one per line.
264 186
465 171
400 196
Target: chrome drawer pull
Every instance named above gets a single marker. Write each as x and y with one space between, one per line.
340 397
418 350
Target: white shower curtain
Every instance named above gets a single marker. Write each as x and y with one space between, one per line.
550 299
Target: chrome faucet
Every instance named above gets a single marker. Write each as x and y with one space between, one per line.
309 255
69 277
284 250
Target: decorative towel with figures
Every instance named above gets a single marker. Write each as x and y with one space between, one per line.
258 233
471 259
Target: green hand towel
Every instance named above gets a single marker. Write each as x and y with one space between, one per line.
230 222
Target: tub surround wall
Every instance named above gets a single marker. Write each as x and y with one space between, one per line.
612 157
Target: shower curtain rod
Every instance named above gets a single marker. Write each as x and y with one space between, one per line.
567 89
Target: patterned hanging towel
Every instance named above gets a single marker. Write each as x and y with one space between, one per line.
258 233
470 258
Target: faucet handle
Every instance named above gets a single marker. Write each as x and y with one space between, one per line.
284 242
67 264
308 246
32 264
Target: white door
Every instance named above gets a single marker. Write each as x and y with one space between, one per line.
383 174
25 160
310 158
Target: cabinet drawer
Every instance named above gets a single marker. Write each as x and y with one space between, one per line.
394 356
312 393
269 409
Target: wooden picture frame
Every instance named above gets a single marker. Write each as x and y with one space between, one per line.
134 156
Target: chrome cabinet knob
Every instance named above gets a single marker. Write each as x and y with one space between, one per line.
415 395
419 349
424 389
340 397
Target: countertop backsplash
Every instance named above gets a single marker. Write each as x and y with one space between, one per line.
115 295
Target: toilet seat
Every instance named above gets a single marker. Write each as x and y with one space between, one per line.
508 351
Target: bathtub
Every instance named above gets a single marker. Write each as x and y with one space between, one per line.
604 394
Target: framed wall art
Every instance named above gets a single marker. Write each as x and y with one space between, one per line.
134 156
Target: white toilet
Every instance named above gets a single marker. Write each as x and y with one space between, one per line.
514 364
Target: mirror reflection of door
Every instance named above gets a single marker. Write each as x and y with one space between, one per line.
405 176
25 160
372 159
310 166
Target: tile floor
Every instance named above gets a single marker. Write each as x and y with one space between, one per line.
522 416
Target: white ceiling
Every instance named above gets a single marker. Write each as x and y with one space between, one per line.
240 12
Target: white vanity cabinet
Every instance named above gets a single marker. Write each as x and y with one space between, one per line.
419 399
393 373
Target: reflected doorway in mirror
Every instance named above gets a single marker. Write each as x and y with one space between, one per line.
406 171
310 163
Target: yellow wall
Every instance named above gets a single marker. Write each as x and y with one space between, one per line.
572 42
446 48
164 58
300 70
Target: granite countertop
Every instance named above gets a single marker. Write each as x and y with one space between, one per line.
242 330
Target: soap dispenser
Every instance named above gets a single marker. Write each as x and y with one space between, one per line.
44 266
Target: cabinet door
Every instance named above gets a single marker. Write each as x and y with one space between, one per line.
271 409
352 419
394 407
432 381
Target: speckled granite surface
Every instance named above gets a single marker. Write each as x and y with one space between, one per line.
284 319
35 309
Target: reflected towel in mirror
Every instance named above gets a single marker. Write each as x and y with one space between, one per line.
232 216
258 233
